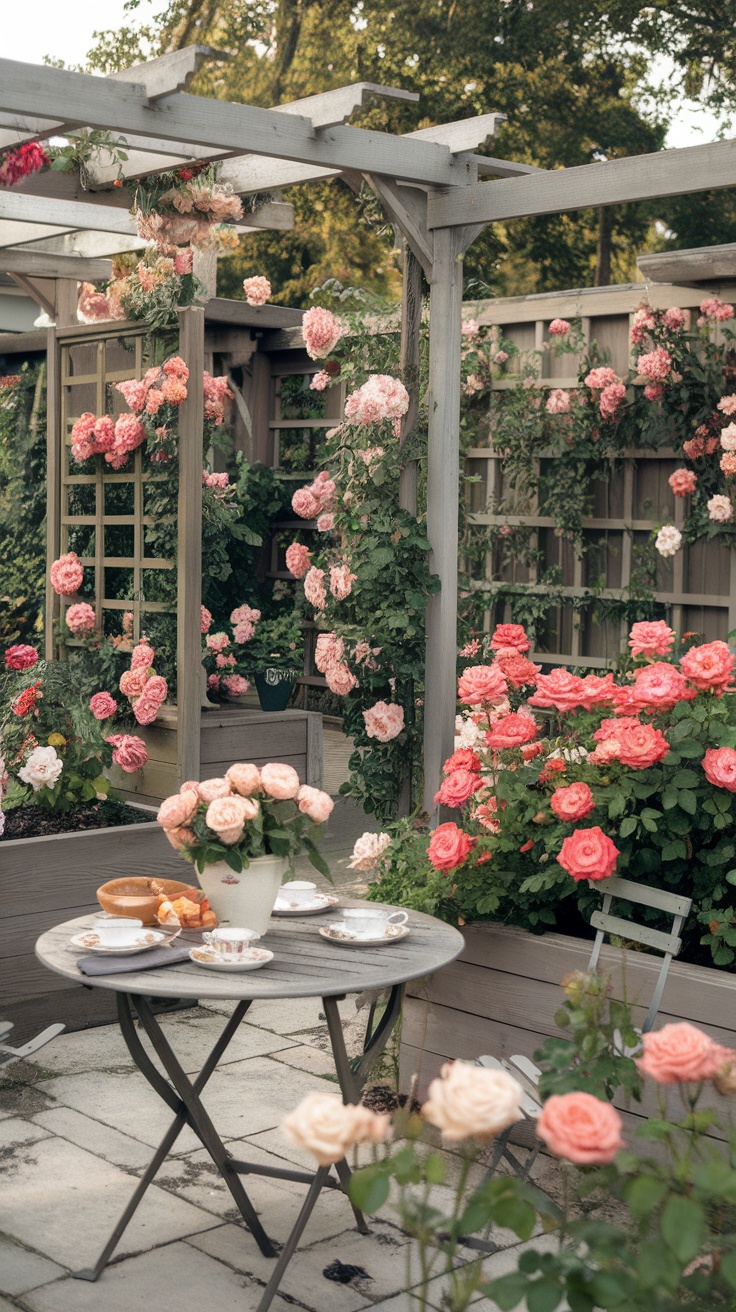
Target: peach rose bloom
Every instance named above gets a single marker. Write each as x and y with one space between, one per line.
581 1128
132 682
280 781
327 1128
680 1053
178 810
314 803
244 778
472 1102
181 837
226 816
210 789
189 785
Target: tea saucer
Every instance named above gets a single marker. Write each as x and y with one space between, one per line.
140 941
348 938
320 902
251 959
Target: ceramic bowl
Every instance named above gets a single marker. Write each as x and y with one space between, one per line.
132 896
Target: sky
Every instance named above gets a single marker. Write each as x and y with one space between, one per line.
49 27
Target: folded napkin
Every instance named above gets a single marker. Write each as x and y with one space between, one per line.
135 961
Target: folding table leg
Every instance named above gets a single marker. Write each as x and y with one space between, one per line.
292 1242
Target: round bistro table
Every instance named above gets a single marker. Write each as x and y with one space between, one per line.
305 965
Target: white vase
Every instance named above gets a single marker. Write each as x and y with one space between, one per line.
244 899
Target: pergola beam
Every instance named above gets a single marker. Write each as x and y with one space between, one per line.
77 98
639 177
43 265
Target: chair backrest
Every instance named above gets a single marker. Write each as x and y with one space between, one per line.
669 944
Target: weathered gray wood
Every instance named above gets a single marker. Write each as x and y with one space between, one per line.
172 72
639 177
189 550
463 134
407 208
411 322
221 309
55 266
305 965
22 207
701 264
24 343
35 290
80 99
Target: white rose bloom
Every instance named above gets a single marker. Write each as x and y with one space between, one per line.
728 438
668 541
368 851
468 734
42 769
2 822
720 509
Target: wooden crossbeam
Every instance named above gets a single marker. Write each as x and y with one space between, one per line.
640 177
77 98
40 265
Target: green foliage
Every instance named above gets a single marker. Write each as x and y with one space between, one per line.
278 828
596 1055
278 644
22 504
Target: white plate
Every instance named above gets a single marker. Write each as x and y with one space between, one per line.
252 959
89 941
322 902
393 934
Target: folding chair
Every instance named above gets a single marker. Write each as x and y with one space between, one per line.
8 1054
668 944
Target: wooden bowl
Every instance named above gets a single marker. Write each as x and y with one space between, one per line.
133 896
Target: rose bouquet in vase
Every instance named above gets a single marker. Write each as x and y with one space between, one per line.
243 832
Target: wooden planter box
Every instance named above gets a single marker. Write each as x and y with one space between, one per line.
49 880
501 994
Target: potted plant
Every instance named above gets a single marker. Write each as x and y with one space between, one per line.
242 832
276 659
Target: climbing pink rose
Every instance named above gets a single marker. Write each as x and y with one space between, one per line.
321 331
147 706
81 618
298 558
20 657
340 679
279 780
130 753
141 657
581 1128
384 721
328 651
132 682
558 328
257 290
314 588
320 381
67 574
341 581
205 620
129 434
655 365
683 482
305 504
558 401
479 684
314 803
102 705
719 764
235 684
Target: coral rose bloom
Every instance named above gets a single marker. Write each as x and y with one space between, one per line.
472 1102
572 803
588 854
709 667
210 789
479 684
67 574
449 846
178 810
661 686
102 705
463 759
581 1128
510 635
719 764
651 638
327 1128
680 1053
512 731
457 788
314 803
560 690
244 778
280 781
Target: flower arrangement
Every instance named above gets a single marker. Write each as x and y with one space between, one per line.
249 813
186 207
22 161
560 779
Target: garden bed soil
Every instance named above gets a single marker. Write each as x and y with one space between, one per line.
32 822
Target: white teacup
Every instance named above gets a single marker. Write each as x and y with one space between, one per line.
298 892
370 922
117 931
229 942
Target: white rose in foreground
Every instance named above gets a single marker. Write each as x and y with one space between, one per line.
471 1102
668 541
327 1128
42 768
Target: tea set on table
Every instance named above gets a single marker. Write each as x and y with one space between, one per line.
231 948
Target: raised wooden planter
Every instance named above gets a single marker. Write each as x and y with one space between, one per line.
501 994
49 880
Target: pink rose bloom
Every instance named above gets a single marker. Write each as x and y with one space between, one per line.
81 618
235 684
20 657
714 308
449 846
340 680
472 1102
341 581
132 682
581 1128
384 721
227 817
104 434
129 434
298 559
512 636
661 686
651 638
328 651
173 391
458 788
480 684
210 789
305 504
213 682
321 331
674 318
655 365
512 730
320 381
326 522
244 778
82 436
134 392
680 1053
147 706
130 753
572 803
727 404
279 781
257 289
728 462
600 377
178 810
67 574
470 328
597 691
588 854
381 397
719 764
558 328
610 399
558 401
643 322
141 657
314 588
559 690
728 438
720 509
205 619
217 641
500 357
183 261
709 667
102 705
314 803
653 392
683 482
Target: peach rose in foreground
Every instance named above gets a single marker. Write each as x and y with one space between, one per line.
314 803
244 777
327 1128
680 1053
227 816
210 789
180 837
178 810
280 781
572 803
472 1102
581 1128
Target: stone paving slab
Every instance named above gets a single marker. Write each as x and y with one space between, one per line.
16 1133
21 1269
102 1140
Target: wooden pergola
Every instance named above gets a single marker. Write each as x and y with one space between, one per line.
435 189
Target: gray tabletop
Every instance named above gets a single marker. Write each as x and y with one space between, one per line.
305 965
